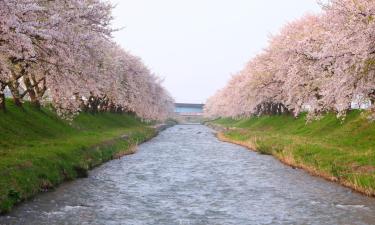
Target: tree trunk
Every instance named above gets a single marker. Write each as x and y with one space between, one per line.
13 86
119 109
82 104
93 104
111 107
372 97
30 89
2 101
2 96
39 90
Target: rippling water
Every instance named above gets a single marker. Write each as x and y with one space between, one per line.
186 176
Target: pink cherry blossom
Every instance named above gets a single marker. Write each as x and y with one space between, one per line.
318 63
61 52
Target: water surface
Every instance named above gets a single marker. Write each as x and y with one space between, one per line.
187 176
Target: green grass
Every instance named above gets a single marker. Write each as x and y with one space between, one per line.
340 150
38 150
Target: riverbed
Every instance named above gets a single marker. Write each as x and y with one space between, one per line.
187 176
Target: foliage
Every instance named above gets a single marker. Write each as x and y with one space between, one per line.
318 63
61 52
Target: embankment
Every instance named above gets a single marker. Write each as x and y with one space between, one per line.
340 151
38 150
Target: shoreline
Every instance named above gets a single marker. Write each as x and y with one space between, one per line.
309 170
91 157
39 151
286 158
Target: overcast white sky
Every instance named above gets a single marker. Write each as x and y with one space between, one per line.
196 45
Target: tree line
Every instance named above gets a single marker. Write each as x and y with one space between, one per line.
61 52
319 63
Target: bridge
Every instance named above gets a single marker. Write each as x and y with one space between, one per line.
189 112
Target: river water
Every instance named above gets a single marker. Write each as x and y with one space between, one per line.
187 176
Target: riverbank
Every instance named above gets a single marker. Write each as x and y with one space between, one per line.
39 151
342 152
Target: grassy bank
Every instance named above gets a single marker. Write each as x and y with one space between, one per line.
339 151
39 151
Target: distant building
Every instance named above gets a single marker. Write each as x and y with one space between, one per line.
186 109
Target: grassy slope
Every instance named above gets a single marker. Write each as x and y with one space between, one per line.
39 150
339 151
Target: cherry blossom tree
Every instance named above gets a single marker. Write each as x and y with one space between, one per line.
349 53
318 63
61 52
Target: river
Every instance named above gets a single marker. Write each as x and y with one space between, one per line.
186 176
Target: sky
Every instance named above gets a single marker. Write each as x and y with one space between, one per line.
197 45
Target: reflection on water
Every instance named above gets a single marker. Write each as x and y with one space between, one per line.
186 176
